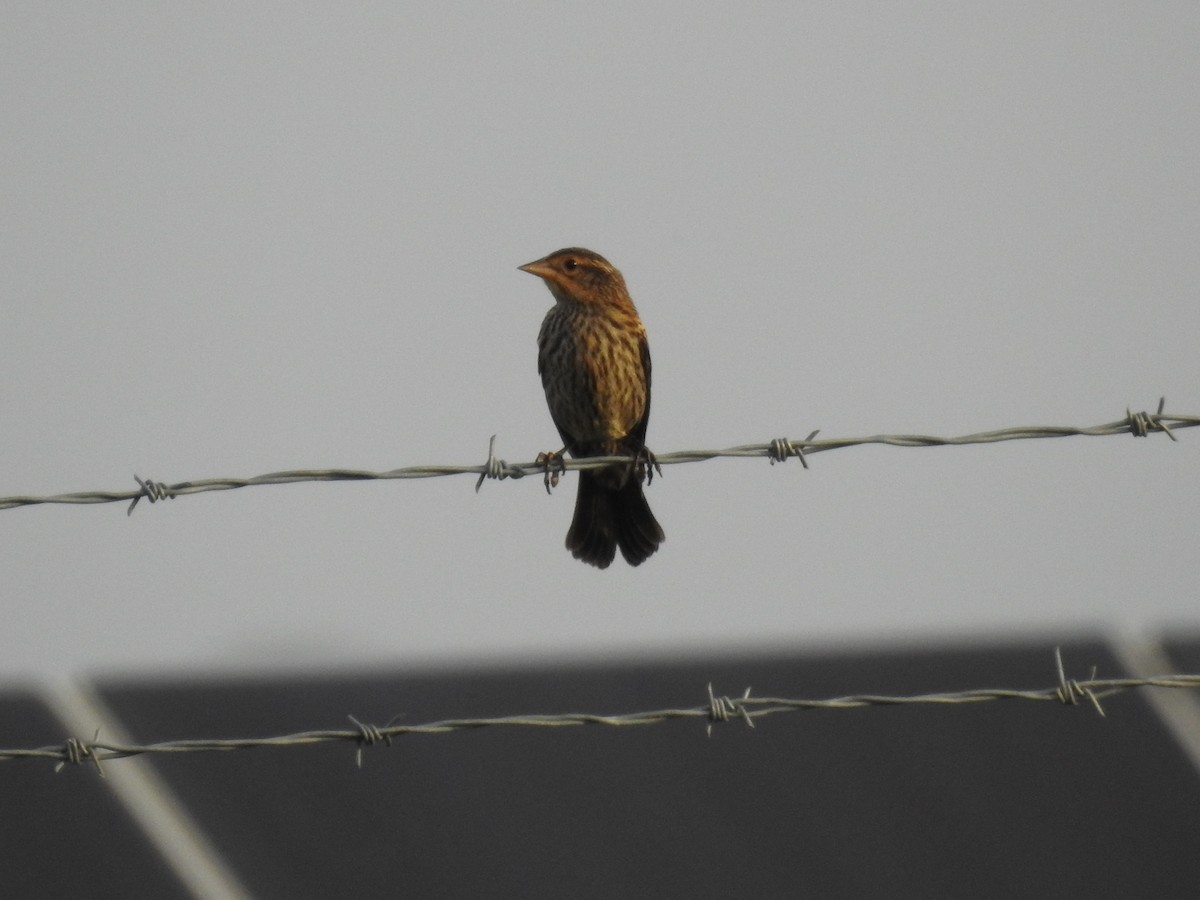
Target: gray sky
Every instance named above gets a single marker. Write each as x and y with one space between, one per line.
238 240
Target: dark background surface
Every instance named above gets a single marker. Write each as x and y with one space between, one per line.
999 799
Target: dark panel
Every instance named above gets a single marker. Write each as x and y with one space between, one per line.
65 835
997 800
1184 652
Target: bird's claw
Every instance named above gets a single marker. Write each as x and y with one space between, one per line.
646 465
553 465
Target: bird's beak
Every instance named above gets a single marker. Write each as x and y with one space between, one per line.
538 268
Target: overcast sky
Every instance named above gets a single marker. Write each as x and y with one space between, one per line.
240 238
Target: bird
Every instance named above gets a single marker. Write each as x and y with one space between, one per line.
595 368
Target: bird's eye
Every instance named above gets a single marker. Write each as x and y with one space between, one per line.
570 264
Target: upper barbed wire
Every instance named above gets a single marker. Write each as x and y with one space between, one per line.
1139 424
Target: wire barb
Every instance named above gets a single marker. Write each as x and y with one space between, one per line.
720 709
369 735
781 448
496 469
152 491
1142 423
1069 690
75 753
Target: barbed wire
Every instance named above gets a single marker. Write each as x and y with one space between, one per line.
1139 424
718 709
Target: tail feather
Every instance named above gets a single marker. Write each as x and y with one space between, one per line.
607 518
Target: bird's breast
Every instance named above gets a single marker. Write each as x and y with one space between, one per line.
592 371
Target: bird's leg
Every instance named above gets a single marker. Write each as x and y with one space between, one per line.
554 465
645 465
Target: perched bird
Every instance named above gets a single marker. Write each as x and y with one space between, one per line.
595 368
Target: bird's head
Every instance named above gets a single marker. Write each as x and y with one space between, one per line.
580 276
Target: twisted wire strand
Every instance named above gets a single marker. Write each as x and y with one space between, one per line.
778 450
718 709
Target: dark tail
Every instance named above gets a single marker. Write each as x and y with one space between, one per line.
610 517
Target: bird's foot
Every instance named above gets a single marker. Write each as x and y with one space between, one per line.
645 465
553 465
